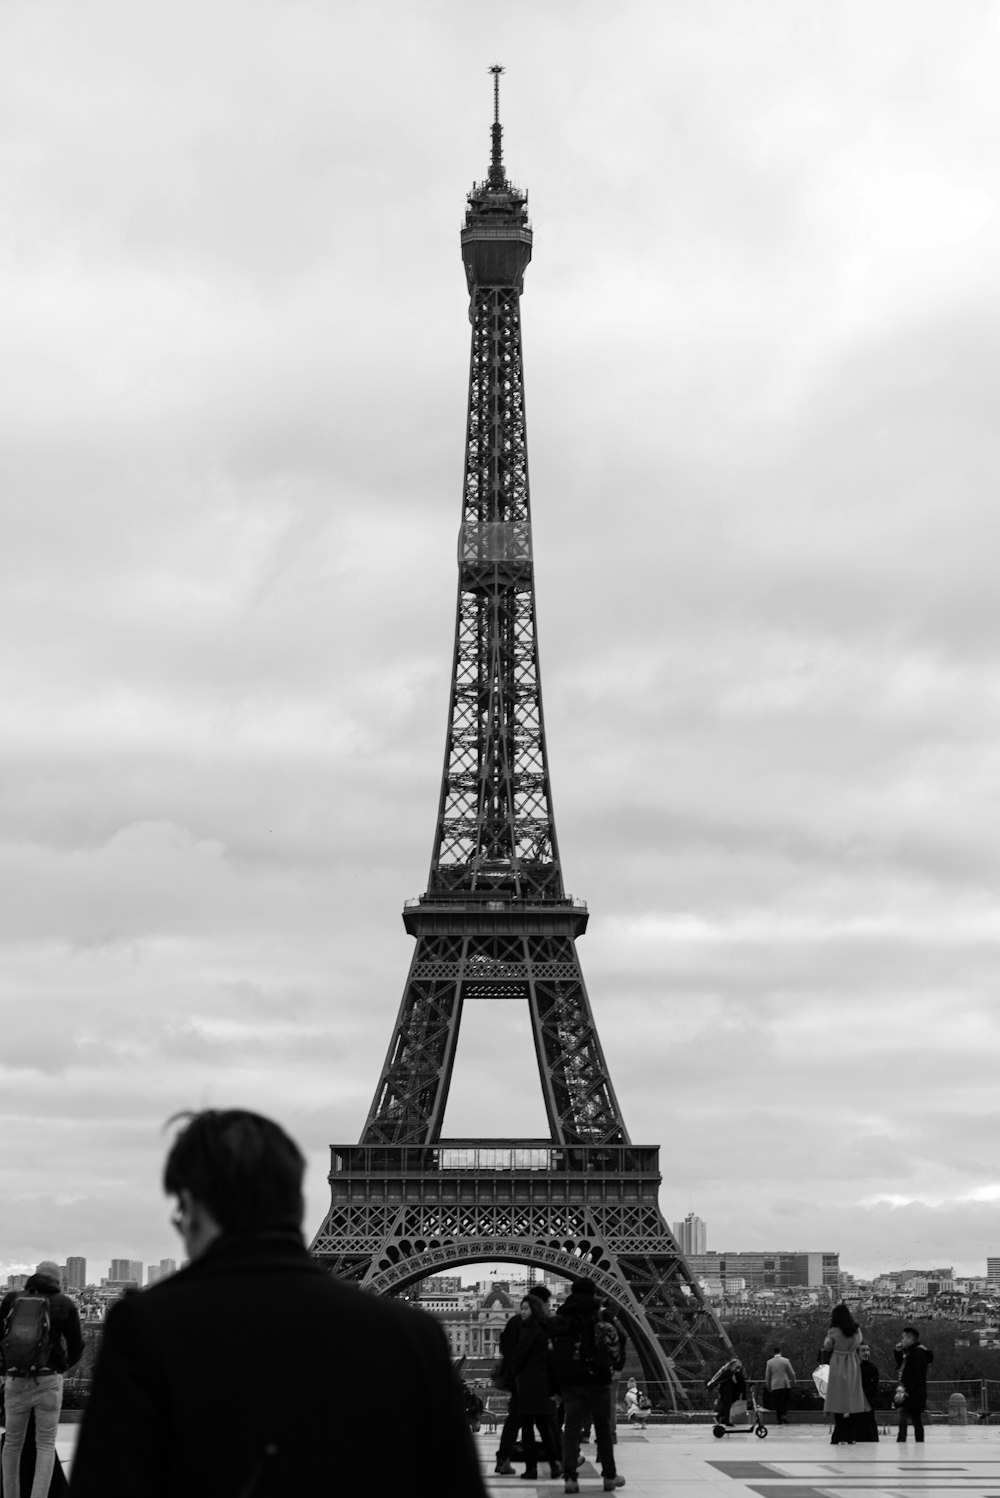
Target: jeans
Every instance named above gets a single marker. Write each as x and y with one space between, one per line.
906 1412
22 1395
588 1402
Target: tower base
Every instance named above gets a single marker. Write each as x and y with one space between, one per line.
401 1213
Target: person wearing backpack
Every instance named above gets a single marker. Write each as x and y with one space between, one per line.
40 1338
586 1352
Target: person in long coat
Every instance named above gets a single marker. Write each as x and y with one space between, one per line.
845 1396
530 1367
866 1425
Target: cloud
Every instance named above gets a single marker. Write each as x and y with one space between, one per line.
761 338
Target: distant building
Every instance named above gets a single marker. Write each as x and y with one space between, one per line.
160 1271
904 1277
135 1270
475 1333
76 1273
121 1269
691 1235
993 1273
778 1270
16 1281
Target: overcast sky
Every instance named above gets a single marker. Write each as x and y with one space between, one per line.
762 339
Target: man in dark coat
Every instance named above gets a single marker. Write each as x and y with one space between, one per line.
251 1372
912 1361
38 1391
586 1387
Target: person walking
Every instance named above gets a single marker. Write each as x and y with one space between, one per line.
530 1367
585 1371
41 1340
732 1385
176 1407
844 1393
912 1361
505 1380
866 1424
779 1380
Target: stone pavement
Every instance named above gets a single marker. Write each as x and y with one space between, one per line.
688 1462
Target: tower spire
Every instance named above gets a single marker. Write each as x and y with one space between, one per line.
497 178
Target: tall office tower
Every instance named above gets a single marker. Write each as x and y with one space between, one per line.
76 1273
993 1273
121 1269
135 1270
691 1235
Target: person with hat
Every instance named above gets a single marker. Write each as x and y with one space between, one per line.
33 1375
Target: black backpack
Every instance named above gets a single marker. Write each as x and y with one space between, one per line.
583 1346
609 1346
26 1343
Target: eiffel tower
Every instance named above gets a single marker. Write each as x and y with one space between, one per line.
496 925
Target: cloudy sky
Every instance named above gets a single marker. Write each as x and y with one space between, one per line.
762 336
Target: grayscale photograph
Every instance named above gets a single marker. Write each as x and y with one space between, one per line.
370 375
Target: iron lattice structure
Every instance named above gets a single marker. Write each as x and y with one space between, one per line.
496 924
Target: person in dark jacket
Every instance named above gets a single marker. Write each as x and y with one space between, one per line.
866 1425
39 1390
176 1407
732 1385
912 1361
586 1388
512 1423
530 1367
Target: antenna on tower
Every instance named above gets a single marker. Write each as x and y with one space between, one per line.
497 178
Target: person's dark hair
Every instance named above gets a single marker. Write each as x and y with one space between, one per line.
242 1167
541 1292
841 1318
584 1287
777 1352
914 1332
539 1310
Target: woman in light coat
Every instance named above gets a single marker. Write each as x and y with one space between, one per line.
844 1393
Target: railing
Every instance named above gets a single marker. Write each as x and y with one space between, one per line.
504 1156
476 899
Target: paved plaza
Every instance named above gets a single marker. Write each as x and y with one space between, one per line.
800 1463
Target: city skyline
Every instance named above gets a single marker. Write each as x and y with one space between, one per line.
762 475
